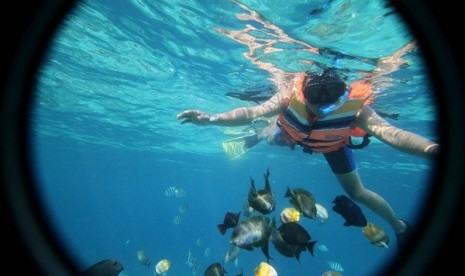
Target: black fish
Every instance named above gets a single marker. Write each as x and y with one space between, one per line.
215 269
230 220
303 201
257 95
262 200
350 211
320 8
293 233
109 267
394 116
286 249
252 232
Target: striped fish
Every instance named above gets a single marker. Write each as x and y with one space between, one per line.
177 219
180 192
335 266
322 247
170 191
183 208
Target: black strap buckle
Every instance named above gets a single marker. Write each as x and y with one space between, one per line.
364 143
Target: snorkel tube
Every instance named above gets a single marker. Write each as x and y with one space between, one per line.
326 109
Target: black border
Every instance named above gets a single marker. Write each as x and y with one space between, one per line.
30 245
439 231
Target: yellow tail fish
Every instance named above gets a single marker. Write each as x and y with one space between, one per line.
376 235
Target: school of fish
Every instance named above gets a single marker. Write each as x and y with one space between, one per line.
255 229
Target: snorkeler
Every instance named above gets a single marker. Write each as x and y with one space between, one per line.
320 113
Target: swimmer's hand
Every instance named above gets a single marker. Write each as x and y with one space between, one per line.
197 117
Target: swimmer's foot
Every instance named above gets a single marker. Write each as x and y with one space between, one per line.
236 147
402 237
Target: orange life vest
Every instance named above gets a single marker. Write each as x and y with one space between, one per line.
299 125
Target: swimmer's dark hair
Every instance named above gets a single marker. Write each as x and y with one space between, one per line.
323 89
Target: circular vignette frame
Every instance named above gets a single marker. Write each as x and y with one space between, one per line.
30 236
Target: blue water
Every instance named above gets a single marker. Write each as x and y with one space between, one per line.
106 144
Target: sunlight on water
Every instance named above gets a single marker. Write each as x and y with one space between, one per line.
126 64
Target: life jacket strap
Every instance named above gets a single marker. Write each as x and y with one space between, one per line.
364 143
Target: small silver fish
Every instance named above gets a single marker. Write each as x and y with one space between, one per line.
142 257
178 218
321 213
232 253
236 262
322 247
191 260
183 208
335 266
207 252
180 192
170 191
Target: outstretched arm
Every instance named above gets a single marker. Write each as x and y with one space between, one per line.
400 139
236 117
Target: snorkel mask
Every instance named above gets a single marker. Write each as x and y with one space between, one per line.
325 109
326 90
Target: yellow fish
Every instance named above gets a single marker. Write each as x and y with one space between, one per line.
162 267
265 269
376 235
290 215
